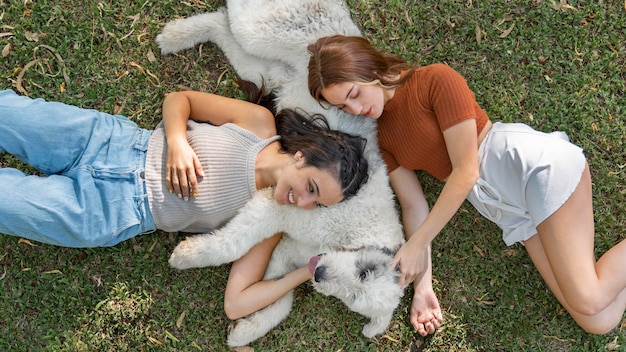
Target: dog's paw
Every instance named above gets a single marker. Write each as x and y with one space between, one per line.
197 251
185 33
182 256
175 37
243 332
375 327
207 249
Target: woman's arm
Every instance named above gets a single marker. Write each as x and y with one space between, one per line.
246 293
462 145
183 167
425 313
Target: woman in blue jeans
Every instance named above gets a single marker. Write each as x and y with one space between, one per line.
107 180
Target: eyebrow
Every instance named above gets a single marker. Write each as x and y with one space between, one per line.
349 92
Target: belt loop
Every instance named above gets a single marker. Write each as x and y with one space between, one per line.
142 139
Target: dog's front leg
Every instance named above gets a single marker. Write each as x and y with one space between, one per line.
229 243
185 33
378 324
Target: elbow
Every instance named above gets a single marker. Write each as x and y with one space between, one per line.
232 310
466 176
473 177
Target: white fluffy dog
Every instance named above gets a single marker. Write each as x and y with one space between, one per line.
266 40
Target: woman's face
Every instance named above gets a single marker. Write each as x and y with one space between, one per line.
306 186
358 99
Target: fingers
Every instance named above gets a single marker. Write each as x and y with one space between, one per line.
182 182
405 278
410 264
395 264
198 167
426 316
428 327
438 319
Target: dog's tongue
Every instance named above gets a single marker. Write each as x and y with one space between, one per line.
313 263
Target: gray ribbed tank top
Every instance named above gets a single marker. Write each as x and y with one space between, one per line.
227 154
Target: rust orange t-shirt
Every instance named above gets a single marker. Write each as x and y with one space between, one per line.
410 130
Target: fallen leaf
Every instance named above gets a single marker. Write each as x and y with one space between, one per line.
243 349
53 272
487 303
613 345
511 252
137 66
179 321
6 50
150 55
508 31
139 36
152 339
23 240
389 338
31 36
479 251
566 6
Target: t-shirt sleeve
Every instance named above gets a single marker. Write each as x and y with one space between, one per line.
390 161
450 96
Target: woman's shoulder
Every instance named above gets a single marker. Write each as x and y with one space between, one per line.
437 70
437 75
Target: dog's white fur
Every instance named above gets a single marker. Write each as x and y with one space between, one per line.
266 41
361 279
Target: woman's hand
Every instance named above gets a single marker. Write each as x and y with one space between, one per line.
182 169
412 260
425 312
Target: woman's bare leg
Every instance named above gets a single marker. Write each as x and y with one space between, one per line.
594 293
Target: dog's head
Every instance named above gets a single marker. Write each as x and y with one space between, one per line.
363 279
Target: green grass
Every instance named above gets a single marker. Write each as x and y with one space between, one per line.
530 61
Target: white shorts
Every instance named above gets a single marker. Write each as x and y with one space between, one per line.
525 176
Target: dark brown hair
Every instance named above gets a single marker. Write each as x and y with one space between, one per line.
340 153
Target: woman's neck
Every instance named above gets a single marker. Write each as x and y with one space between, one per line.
269 164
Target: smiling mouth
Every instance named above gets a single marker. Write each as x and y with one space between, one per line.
290 197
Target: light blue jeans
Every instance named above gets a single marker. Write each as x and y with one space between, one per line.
93 193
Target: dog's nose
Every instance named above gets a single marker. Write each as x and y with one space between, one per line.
320 272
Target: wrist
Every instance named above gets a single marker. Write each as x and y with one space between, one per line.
175 140
424 283
303 274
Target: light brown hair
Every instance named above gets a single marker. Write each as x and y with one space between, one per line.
338 59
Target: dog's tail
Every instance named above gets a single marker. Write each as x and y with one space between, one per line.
185 33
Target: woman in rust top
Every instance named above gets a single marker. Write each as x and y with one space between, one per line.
536 186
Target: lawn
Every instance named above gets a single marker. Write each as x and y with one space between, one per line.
553 65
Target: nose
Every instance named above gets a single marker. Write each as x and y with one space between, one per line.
320 273
306 201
